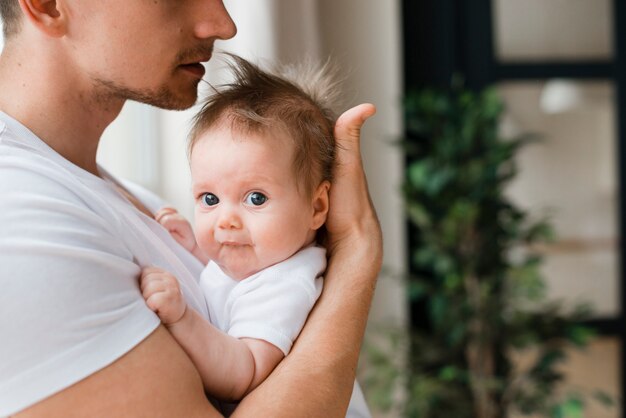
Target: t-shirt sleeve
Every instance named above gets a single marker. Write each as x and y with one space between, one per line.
274 306
69 295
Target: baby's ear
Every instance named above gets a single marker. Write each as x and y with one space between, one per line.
320 205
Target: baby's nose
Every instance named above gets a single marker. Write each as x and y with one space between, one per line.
229 220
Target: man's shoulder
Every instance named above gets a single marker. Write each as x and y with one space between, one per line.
44 202
33 181
24 170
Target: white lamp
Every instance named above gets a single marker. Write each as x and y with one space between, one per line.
560 96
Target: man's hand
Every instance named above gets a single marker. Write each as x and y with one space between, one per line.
163 295
352 218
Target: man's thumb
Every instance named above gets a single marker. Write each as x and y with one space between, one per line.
348 126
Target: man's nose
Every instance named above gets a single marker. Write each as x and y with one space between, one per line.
214 21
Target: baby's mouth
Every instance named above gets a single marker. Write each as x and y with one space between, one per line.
233 244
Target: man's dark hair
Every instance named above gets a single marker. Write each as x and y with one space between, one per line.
10 13
295 100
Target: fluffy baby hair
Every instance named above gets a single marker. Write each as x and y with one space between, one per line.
294 100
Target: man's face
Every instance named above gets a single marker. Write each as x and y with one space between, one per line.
146 50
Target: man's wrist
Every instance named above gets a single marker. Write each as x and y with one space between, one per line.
362 239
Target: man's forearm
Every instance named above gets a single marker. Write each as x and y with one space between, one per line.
154 379
316 378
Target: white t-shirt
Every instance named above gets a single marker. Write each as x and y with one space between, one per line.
71 248
271 305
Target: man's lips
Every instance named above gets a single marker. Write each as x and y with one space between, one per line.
196 69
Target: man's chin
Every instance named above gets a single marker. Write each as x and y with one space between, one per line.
164 98
168 100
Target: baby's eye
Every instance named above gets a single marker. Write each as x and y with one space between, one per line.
256 199
209 199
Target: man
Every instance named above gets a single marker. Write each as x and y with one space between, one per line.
77 338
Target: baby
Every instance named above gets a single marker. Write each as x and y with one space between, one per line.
261 154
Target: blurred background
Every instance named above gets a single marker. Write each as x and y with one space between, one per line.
559 68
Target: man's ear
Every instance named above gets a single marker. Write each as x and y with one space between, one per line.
46 15
320 205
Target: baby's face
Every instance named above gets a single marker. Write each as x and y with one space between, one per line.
249 213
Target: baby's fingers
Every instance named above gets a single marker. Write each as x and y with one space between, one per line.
164 212
157 301
151 287
168 305
148 275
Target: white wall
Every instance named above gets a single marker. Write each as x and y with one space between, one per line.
364 37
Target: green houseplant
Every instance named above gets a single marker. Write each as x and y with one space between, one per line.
475 274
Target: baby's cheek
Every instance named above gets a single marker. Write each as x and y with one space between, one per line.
279 241
282 245
204 238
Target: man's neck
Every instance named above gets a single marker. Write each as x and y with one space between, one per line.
55 102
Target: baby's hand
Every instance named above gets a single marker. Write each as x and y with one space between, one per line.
162 294
177 226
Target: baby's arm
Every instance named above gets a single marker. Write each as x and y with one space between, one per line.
181 231
229 367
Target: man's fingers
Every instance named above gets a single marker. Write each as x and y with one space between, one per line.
348 126
350 205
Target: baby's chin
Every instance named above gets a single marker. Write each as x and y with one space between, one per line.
240 273
241 265
237 272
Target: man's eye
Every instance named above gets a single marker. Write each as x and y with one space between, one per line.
256 199
210 199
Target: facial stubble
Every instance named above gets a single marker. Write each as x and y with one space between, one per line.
108 91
